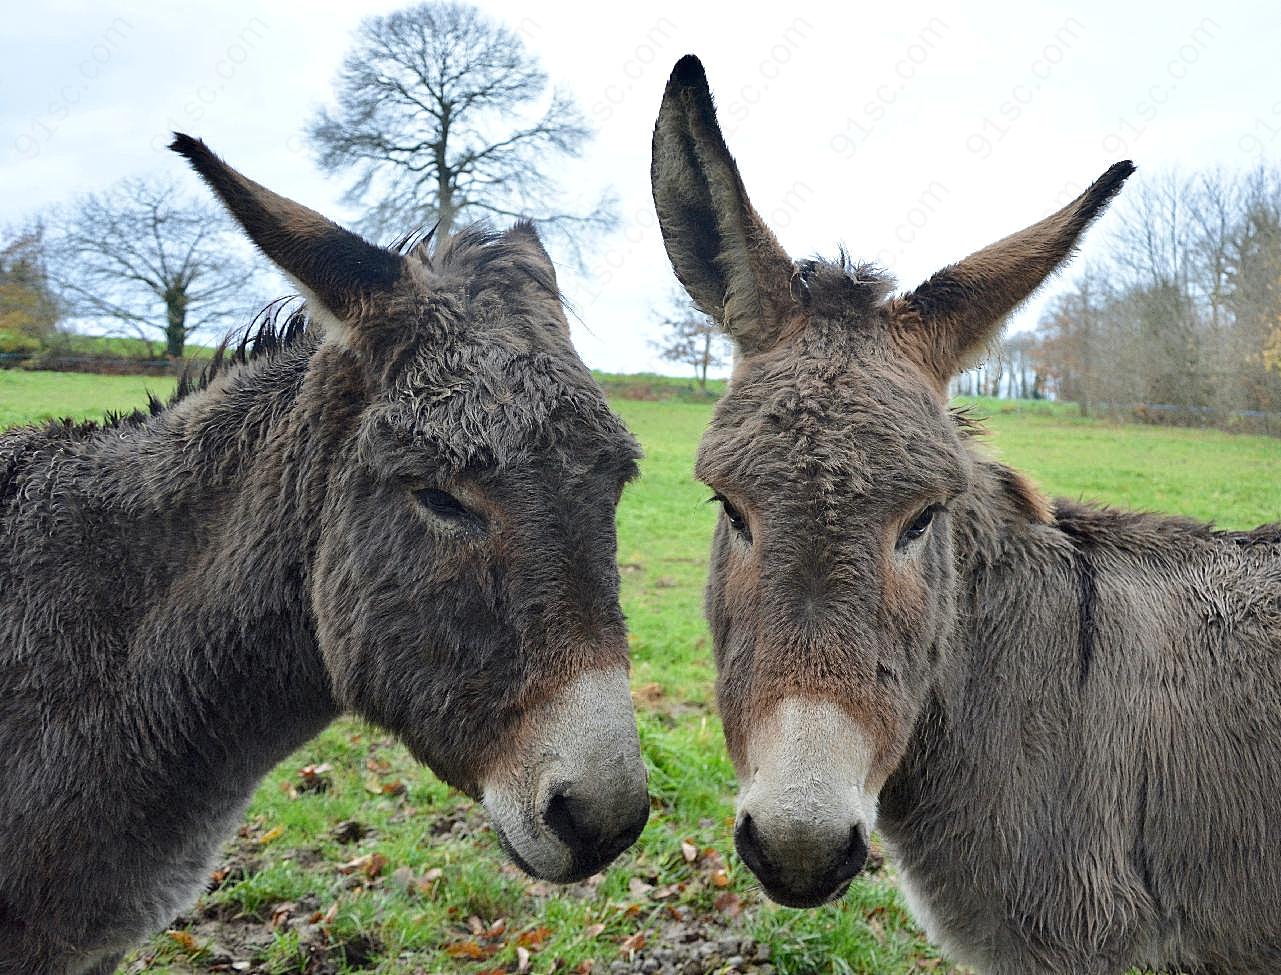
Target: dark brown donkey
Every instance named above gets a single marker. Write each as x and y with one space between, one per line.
408 514
1070 717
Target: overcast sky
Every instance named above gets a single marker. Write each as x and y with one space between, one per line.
912 134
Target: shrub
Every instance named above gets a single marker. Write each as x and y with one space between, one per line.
16 342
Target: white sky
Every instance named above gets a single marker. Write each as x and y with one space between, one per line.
913 133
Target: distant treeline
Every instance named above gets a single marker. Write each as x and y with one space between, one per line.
1180 322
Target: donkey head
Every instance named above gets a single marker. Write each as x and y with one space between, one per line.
841 476
461 564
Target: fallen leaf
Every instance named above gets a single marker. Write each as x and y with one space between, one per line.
535 938
427 882
877 929
522 958
728 902
638 888
720 878
585 966
470 949
689 851
496 929
475 925
593 931
281 913
185 940
371 865
396 788
275 833
633 943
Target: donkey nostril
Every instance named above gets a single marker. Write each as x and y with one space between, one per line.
748 841
559 817
854 856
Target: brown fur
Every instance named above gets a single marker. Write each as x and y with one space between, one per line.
1077 709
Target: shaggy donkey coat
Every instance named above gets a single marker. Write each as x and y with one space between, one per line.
1069 716
411 517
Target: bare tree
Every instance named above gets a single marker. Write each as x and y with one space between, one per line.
143 259
438 116
692 339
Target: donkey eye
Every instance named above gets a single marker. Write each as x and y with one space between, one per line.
919 526
443 504
736 519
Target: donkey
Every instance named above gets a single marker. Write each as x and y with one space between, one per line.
1064 719
406 512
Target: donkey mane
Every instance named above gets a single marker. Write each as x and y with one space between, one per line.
842 285
487 256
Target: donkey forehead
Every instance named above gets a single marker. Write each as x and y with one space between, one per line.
489 406
859 429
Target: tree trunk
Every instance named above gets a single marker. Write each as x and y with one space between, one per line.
444 180
175 322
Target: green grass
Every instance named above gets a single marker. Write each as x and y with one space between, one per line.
31 397
1233 480
295 897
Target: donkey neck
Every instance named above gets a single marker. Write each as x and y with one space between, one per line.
177 575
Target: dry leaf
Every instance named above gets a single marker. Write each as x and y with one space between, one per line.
427 882
535 938
728 902
638 888
720 878
593 931
633 943
275 833
522 958
585 966
371 865
470 949
396 788
689 851
185 940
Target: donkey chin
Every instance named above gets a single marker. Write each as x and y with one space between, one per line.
575 795
806 809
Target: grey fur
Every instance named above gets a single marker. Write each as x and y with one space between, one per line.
186 597
1075 713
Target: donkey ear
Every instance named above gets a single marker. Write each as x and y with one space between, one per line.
335 266
721 250
951 317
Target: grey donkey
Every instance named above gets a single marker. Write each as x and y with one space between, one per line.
1065 720
407 513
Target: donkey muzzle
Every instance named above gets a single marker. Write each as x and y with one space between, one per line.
806 816
576 795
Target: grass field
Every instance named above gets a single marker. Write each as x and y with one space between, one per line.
352 858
